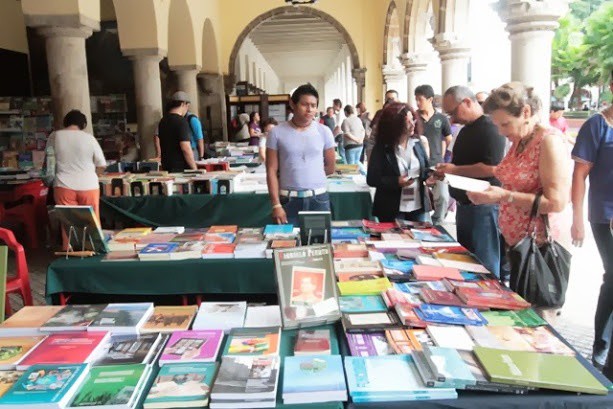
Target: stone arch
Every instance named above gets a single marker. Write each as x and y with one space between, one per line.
355 59
392 29
181 35
417 21
210 51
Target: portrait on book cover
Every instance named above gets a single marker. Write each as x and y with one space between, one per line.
307 286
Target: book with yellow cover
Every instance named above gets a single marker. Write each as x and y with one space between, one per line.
364 287
170 319
253 341
14 349
8 379
28 320
133 232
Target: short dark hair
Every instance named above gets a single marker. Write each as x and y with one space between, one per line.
268 121
305 89
557 106
173 104
389 91
252 116
349 110
392 123
337 101
76 118
425 91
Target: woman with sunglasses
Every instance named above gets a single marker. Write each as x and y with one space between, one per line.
398 166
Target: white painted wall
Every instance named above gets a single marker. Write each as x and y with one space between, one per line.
254 68
337 82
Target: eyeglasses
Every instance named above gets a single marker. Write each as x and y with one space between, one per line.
455 110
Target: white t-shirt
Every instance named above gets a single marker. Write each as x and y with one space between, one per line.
408 165
77 154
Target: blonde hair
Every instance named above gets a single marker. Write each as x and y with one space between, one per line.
512 97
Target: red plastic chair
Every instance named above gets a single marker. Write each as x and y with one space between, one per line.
21 282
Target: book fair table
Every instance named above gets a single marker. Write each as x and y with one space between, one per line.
243 209
180 277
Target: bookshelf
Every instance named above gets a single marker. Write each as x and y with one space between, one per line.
109 119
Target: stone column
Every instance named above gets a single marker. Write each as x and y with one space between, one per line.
531 25
454 54
148 90
67 64
359 75
187 81
415 68
396 79
215 100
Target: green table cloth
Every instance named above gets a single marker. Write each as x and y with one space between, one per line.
242 209
198 276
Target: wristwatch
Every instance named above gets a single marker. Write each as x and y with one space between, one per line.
510 197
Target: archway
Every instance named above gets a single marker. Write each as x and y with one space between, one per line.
211 85
261 34
392 70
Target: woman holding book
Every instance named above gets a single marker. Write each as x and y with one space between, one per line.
398 166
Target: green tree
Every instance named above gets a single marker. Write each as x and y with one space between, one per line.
598 41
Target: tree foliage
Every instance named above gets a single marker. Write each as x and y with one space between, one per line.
598 41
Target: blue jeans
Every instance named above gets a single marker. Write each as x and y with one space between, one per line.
293 205
603 321
353 155
477 227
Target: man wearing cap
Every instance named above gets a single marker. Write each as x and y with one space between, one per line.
175 136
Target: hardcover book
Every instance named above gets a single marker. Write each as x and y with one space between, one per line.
253 341
110 386
482 383
192 346
15 349
306 286
246 377
182 385
129 349
73 318
170 318
312 342
440 297
449 315
539 370
368 344
313 379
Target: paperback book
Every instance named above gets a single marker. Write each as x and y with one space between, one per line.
220 315
443 368
73 318
375 321
122 318
523 318
253 342
362 303
169 319
14 349
246 377
28 320
405 341
129 349
192 346
313 379
368 344
8 379
312 342
482 383
440 314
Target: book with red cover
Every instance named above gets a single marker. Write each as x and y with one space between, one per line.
392 296
345 250
61 349
434 273
440 297
408 317
223 229
378 227
312 342
218 250
481 298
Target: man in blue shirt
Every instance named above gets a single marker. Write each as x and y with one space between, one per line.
299 155
195 126
593 155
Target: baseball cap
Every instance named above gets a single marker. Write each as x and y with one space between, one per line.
180 96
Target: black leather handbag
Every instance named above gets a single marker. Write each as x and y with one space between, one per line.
539 273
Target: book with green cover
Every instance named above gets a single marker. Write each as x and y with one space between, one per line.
537 369
110 385
522 318
182 385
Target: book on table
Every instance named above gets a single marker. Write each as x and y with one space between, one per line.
535 369
440 314
313 379
482 384
8 379
306 286
82 226
345 250
407 316
392 296
253 342
169 319
431 235
122 317
45 386
372 321
261 316
129 349
398 270
451 336
405 341
364 287
434 273
431 296
169 229
157 251
192 346
218 250
73 318
312 342
362 303
279 231
112 386
190 250
15 349
182 385
523 318
28 320
368 344
220 315
443 368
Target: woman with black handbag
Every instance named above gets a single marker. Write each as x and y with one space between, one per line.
535 189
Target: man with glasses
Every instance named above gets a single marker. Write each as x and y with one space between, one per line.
438 132
477 143
593 155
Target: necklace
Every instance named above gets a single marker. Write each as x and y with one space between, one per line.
521 145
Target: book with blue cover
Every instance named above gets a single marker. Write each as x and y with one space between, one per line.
344 233
442 314
279 230
391 378
52 385
396 269
415 287
312 379
157 251
361 303
443 368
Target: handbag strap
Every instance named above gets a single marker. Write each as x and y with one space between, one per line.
533 212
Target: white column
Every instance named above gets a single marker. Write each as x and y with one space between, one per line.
359 74
531 25
349 82
148 89
415 68
187 82
67 65
396 79
454 54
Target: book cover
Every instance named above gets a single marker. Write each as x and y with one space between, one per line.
247 377
482 383
122 315
483 337
28 319
314 374
536 369
128 349
375 321
378 227
170 318
482 298
345 250
404 267
510 339
306 285
343 233
223 229
440 297
455 337
75 317
186 237
45 385
282 244
259 316
440 314
224 316
73 348
541 339
451 370
133 232
253 341
192 346
183 385
404 341
312 342
365 287
342 277
8 379
408 316
110 385
429 273
158 249
218 250
391 297
14 349
278 230
415 287
368 344
362 303
431 235
523 318
169 229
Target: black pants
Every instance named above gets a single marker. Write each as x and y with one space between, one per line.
603 321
